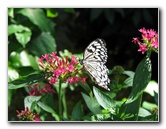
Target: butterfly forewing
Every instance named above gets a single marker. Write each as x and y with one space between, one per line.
96 51
95 56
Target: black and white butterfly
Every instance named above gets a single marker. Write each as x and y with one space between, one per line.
94 59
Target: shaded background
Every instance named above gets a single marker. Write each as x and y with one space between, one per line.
76 28
116 26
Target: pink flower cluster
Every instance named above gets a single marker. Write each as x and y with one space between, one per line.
37 89
64 69
149 40
27 115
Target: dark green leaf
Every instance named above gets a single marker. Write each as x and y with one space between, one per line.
121 11
156 97
25 81
69 10
103 99
136 17
46 107
92 104
141 79
147 16
110 15
77 112
95 13
29 101
37 17
44 43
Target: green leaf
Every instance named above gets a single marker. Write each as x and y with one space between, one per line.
37 17
86 87
30 101
143 112
148 105
12 74
152 87
129 80
26 80
13 28
22 33
92 104
141 79
52 13
44 43
11 12
100 117
104 100
77 112
46 107
23 38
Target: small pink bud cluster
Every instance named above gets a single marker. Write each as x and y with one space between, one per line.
37 89
27 115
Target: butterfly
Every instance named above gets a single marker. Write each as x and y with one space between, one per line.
94 59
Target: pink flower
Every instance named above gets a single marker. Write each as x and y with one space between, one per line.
71 68
52 80
142 48
143 30
83 80
135 40
155 44
27 115
149 40
74 80
64 69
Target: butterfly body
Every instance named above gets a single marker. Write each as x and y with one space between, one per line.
95 57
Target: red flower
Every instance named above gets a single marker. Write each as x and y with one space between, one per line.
27 115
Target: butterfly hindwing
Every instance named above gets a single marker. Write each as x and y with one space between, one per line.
98 72
95 56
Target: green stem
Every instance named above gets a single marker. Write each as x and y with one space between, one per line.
64 104
59 101
140 100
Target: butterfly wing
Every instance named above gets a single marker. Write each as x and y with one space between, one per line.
98 72
95 56
96 51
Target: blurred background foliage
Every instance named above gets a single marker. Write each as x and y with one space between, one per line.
33 32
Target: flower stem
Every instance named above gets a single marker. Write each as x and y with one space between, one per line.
59 101
64 104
